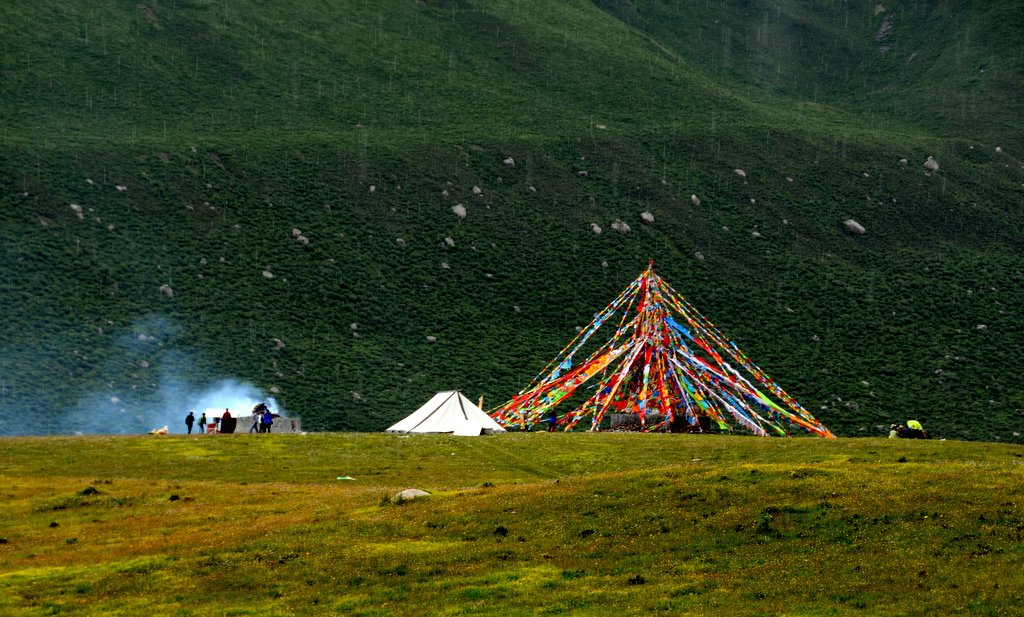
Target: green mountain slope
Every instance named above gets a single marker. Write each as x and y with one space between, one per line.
200 191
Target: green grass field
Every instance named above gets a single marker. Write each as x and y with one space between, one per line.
517 524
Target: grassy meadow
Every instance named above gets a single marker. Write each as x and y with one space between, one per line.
517 524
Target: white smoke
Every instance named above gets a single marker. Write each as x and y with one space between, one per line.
151 382
120 413
236 396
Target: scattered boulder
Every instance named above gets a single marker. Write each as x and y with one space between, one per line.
740 173
89 182
353 326
477 190
999 149
532 189
854 227
409 494
755 234
296 232
695 200
449 241
400 242
931 164
647 217
444 193
582 173
445 266
903 162
267 274
78 211
278 344
594 227
511 162
166 290
373 188
121 188
981 326
699 256
431 338
883 35
620 227
459 210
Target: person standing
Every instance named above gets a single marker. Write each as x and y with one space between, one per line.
189 420
255 428
267 422
202 423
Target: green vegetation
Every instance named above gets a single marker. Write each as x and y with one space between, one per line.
288 173
517 524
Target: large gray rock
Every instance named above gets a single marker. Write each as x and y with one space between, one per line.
854 227
410 494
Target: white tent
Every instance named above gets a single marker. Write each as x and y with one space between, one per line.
448 412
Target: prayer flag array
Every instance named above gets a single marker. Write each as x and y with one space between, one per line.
665 360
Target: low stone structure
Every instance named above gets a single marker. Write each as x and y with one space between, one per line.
631 422
281 425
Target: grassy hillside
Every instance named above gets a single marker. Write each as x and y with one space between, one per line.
940 67
517 524
195 191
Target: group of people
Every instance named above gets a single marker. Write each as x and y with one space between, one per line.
262 420
912 430
190 419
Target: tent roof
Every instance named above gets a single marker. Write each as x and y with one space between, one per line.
447 412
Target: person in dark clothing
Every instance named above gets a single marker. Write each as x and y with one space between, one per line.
202 423
552 421
266 422
189 420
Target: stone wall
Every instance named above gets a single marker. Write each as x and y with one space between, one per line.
281 425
